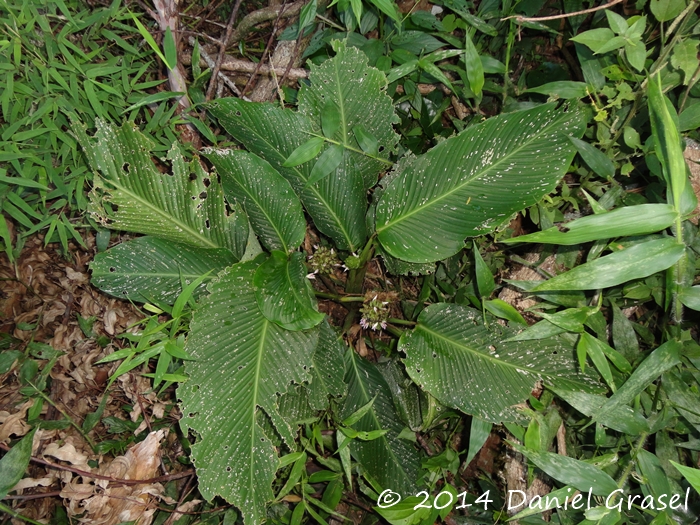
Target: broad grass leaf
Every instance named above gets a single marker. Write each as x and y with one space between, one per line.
640 260
304 153
659 361
467 185
667 143
131 194
478 434
690 297
336 204
578 474
455 358
596 159
641 219
473 65
622 418
563 89
274 210
242 362
14 463
690 474
284 294
327 163
149 269
359 94
484 278
391 461
502 309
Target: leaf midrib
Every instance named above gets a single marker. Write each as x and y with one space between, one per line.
163 214
337 220
469 350
373 414
272 223
478 174
254 404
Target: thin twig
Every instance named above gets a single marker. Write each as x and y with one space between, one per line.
267 48
519 18
209 61
222 49
91 475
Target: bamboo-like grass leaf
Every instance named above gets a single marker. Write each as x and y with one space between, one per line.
579 474
131 194
641 219
152 269
391 461
272 206
638 261
337 204
663 358
467 185
284 294
453 356
358 93
242 362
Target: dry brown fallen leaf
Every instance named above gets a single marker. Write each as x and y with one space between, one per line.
99 502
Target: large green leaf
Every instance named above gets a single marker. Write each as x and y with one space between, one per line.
347 87
328 369
392 462
579 474
148 268
337 203
272 206
284 294
132 194
466 366
242 362
637 261
467 185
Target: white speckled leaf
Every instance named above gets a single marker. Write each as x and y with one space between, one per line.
272 206
466 366
391 461
328 369
242 362
337 204
357 92
467 185
147 268
131 194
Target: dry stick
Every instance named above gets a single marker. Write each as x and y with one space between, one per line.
91 475
222 49
209 61
238 65
519 18
263 15
267 48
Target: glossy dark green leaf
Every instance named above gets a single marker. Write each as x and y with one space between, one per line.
454 357
596 159
150 269
326 164
304 153
273 208
467 185
584 476
640 260
284 294
484 278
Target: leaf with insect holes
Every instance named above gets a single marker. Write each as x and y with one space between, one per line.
149 269
336 204
242 362
469 367
273 208
357 92
467 185
131 194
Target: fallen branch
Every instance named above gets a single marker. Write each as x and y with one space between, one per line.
245 66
